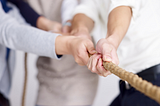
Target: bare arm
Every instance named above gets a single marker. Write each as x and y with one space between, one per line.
67 8
81 20
118 23
82 25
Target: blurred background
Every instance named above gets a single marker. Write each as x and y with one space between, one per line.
107 88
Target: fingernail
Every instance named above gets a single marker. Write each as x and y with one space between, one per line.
107 58
93 51
100 61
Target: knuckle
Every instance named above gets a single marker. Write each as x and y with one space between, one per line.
93 70
77 60
89 68
81 64
80 54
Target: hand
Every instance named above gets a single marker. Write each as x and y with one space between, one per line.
106 51
80 48
48 25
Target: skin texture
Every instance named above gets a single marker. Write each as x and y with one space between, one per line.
79 47
48 25
65 44
82 26
118 23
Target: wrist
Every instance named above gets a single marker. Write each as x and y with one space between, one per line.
80 27
42 23
63 44
114 40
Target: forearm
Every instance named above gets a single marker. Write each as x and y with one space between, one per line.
29 39
118 23
42 23
26 38
62 44
81 21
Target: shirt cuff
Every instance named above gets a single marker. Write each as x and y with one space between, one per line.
130 3
56 56
87 11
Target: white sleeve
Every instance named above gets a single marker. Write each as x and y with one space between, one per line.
25 38
134 4
89 8
67 9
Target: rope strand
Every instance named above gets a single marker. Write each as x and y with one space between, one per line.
134 80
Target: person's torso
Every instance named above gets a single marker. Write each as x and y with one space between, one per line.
139 48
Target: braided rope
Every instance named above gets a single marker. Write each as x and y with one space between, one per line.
134 80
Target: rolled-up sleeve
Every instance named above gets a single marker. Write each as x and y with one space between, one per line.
134 4
67 8
89 8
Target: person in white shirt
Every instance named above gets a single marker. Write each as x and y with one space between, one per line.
64 82
132 39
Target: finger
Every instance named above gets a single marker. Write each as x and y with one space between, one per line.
85 57
100 74
94 62
107 54
101 69
89 63
79 61
90 48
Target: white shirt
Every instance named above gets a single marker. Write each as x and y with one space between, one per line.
67 9
140 47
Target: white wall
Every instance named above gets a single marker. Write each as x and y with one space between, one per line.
108 87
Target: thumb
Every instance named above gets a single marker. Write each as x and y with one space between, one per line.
90 48
107 55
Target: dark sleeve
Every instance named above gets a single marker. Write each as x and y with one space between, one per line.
26 11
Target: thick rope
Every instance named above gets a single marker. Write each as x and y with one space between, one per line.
135 81
25 80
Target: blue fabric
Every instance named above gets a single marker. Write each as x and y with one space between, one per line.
7 54
132 97
6 9
26 11
4 5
